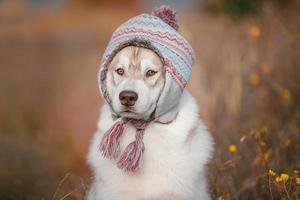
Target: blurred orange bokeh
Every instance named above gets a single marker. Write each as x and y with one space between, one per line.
246 81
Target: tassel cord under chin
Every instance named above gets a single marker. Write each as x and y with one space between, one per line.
130 159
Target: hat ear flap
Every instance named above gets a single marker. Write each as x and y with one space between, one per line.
167 105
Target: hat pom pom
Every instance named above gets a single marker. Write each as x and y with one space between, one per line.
167 14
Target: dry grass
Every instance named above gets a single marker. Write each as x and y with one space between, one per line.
246 80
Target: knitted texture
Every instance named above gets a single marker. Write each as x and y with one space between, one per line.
130 159
158 29
167 14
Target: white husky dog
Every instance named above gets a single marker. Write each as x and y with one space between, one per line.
176 153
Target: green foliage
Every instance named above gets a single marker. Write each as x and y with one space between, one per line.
235 8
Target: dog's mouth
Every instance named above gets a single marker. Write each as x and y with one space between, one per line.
133 112
129 114
128 111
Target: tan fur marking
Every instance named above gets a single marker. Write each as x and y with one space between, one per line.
135 57
191 134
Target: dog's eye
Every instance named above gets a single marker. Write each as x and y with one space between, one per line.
120 71
150 73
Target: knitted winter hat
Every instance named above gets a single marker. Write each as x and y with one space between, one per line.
158 32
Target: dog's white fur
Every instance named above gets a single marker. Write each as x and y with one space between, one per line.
173 166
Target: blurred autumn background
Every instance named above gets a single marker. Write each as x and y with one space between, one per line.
246 80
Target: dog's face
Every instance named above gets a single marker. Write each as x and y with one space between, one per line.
135 79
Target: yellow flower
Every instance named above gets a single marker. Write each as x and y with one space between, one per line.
298 181
278 179
254 79
255 31
232 148
271 172
284 177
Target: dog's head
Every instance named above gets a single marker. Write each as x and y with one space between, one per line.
135 79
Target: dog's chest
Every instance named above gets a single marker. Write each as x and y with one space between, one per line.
162 147
163 160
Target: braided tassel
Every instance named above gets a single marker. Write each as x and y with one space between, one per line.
131 158
110 140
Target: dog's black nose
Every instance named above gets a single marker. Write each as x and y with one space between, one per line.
128 97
